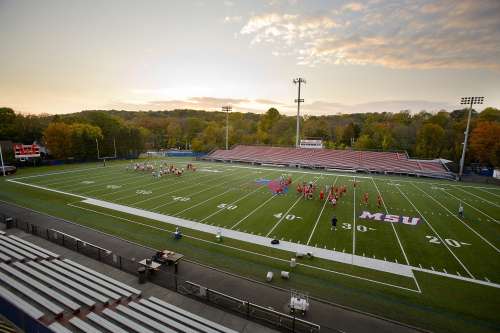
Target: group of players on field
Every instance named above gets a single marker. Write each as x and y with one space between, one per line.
157 171
333 193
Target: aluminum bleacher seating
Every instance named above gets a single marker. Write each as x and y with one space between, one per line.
40 249
4 257
29 309
83 325
332 159
130 324
81 280
40 287
55 284
152 322
160 317
18 250
12 254
56 327
104 277
106 324
74 284
25 247
31 294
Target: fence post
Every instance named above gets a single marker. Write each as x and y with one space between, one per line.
47 234
293 322
77 247
120 261
99 254
248 309
63 240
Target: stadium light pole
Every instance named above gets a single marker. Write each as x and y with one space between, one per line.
1 158
227 109
299 100
467 101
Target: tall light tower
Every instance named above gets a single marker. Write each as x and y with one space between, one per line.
468 101
298 101
227 109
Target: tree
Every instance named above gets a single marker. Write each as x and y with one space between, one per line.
485 143
430 140
58 139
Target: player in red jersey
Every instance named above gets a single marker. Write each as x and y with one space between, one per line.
365 198
379 201
321 195
299 189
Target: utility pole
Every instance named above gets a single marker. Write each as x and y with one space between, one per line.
227 109
298 101
468 101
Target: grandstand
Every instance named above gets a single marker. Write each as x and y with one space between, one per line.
345 160
46 293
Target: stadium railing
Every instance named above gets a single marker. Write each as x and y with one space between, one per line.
167 279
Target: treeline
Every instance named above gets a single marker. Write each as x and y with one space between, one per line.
423 134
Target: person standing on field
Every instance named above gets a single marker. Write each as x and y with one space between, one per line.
461 211
334 223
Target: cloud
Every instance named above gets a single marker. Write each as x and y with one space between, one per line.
232 19
394 34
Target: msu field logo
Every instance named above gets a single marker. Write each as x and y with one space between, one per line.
390 218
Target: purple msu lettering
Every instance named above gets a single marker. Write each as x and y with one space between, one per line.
390 218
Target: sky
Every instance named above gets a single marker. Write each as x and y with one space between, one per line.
63 56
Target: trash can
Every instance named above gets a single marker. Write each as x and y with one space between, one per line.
9 221
141 271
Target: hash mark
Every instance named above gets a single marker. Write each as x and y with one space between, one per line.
432 268
444 270
487 279
458 273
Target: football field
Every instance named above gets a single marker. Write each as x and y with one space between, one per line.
410 244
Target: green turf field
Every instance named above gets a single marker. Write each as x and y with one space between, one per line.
442 273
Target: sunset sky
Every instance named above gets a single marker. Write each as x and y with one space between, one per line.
61 56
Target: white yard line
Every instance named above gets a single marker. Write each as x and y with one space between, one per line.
234 202
245 251
259 207
480 198
190 194
201 203
435 232
320 214
465 202
288 211
395 233
460 220
161 185
61 172
483 190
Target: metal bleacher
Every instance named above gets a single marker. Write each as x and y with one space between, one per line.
65 296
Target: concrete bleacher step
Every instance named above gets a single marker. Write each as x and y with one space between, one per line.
31 294
124 321
40 287
25 247
26 307
191 316
104 277
83 325
74 284
36 247
160 317
55 284
93 278
104 323
81 280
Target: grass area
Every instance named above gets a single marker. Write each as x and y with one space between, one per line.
228 196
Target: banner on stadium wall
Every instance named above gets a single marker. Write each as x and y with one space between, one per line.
26 151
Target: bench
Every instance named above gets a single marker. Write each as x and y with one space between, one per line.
192 316
148 321
34 296
93 278
104 277
11 253
83 326
4 257
27 308
159 317
25 247
178 318
69 282
18 250
37 285
40 249
58 328
125 321
105 323
81 280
